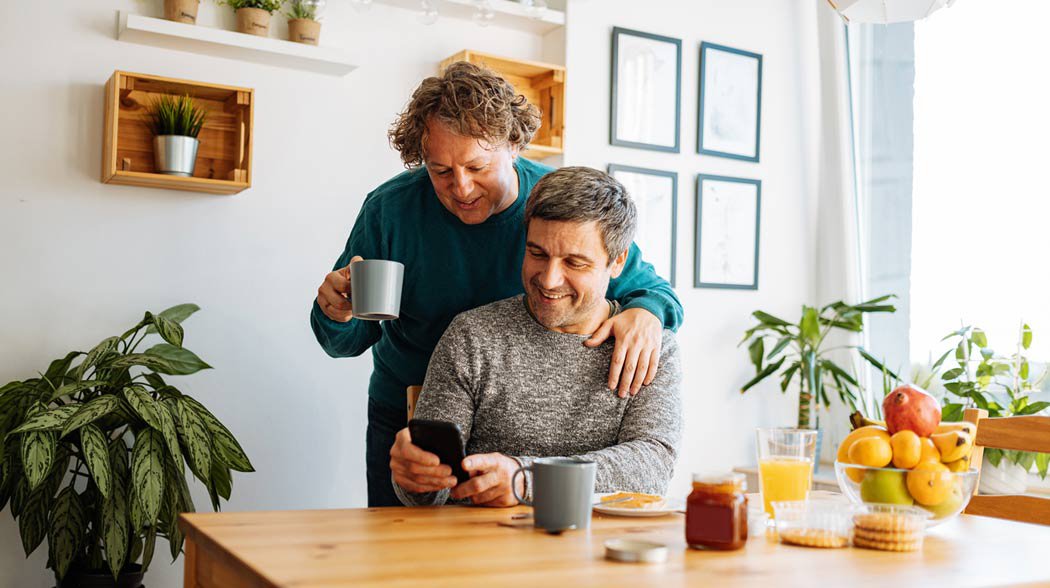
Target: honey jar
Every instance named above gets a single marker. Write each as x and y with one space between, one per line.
716 512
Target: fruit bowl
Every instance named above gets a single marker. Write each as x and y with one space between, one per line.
943 493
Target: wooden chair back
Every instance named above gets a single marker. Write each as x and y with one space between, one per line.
412 396
1022 433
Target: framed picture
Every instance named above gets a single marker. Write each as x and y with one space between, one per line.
728 212
646 97
655 195
730 102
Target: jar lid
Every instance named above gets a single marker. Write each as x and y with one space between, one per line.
634 550
733 478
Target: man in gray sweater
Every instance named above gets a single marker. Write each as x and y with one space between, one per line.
518 380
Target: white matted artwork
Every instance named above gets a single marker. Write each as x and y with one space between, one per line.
728 212
646 91
655 195
730 102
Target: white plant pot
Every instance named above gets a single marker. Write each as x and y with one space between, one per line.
1006 478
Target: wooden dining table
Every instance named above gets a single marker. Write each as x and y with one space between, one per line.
464 546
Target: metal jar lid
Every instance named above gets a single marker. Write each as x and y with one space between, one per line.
634 550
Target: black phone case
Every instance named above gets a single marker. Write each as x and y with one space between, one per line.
442 439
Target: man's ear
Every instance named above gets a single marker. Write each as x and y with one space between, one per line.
616 267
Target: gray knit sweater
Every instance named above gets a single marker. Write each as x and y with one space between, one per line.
517 388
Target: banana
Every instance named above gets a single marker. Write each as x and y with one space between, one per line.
953 445
959 465
946 427
859 421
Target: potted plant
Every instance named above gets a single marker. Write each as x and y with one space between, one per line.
181 10
799 348
253 16
1001 384
303 23
94 451
175 122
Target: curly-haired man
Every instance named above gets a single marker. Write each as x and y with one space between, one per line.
455 220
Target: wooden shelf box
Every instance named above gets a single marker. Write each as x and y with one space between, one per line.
224 159
542 84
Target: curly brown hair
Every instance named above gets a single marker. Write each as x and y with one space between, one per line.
470 100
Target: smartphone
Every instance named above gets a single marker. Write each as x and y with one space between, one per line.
444 440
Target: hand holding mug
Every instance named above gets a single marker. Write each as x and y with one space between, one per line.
333 295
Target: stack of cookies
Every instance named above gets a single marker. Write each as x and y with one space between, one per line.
888 531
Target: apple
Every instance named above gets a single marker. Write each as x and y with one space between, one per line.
910 408
951 505
885 486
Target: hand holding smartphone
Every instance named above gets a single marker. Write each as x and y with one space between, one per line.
444 440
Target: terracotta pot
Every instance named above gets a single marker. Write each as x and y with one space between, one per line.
253 21
304 30
181 10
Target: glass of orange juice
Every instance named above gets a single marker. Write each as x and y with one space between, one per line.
785 464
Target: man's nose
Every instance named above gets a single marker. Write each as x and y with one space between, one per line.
551 276
462 183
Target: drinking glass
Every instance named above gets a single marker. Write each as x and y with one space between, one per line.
785 464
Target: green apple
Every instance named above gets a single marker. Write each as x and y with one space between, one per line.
950 505
885 486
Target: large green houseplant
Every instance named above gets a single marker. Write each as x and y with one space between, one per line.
974 375
799 348
93 452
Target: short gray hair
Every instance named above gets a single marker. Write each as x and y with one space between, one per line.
582 194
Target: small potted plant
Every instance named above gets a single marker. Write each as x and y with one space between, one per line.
253 16
181 10
175 121
94 454
303 23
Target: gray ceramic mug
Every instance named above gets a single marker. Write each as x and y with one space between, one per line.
562 492
375 289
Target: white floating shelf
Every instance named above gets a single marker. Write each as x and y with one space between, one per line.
509 14
135 28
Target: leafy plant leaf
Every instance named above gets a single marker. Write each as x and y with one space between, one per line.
147 472
169 330
876 363
148 544
1042 463
1033 408
115 524
768 319
93 410
221 484
979 338
32 523
144 405
757 350
1026 336
785 378
104 347
952 374
993 455
780 346
227 446
73 388
810 325
38 454
68 521
51 420
195 436
952 412
96 453
766 372
178 360
58 368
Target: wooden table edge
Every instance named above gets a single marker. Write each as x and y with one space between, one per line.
196 539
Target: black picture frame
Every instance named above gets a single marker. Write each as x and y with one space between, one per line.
615 104
704 141
672 262
727 232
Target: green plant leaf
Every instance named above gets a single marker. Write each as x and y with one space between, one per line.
1042 463
877 364
766 372
227 446
106 346
1024 370
195 436
169 330
149 542
52 420
32 523
147 472
951 374
993 455
181 361
90 412
58 368
169 432
809 326
96 453
952 412
144 405
73 388
768 319
1033 408
68 521
780 346
940 361
979 338
115 524
38 454
118 459
221 484
785 378
179 312
961 353
838 372
155 380
757 350
1026 336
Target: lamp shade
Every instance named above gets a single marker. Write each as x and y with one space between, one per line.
887 11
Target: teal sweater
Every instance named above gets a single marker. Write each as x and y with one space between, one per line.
450 267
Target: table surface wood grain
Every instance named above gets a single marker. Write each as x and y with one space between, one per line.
463 546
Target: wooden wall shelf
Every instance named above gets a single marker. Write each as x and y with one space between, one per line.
224 159
135 28
542 84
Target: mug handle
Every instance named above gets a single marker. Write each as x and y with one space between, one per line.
514 484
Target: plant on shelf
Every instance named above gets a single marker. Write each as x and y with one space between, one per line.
175 121
303 21
253 16
181 10
125 435
799 348
978 377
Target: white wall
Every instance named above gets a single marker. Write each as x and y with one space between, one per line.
81 260
719 423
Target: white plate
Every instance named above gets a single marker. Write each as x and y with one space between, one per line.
668 508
